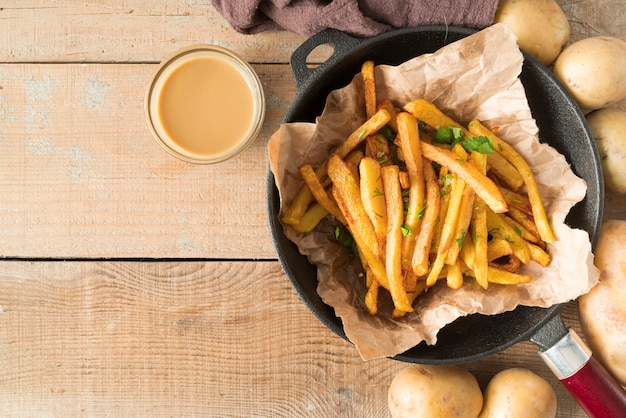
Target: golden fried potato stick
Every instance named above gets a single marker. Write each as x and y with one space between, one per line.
497 248
516 200
420 287
448 230
369 87
348 197
505 171
430 114
504 277
393 112
479 232
419 261
526 221
523 232
393 256
309 220
539 213
454 275
482 185
377 147
369 127
409 138
466 210
539 255
499 228
319 192
373 198
371 297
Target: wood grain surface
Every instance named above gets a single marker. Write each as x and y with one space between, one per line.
135 285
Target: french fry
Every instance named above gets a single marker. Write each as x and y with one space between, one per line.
369 127
393 257
497 276
428 113
454 275
516 200
526 221
393 112
539 255
371 297
373 198
466 209
505 171
408 134
483 186
448 230
419 261
479 230
377 147
498 227
369 87
504 277
310 218
319 193
497 248
348 197
539 213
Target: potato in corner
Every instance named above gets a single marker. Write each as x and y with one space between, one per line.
602 310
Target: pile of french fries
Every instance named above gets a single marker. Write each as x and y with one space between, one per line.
426 199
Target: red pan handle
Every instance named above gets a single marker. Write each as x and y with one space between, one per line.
597 392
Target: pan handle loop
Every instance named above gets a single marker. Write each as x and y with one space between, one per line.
341 42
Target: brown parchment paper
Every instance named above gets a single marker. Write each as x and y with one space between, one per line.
474 78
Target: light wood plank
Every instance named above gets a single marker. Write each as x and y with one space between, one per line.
186 338
81 175
128 31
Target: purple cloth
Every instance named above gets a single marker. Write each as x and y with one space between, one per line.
361 18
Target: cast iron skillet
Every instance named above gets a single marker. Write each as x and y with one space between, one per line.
561 124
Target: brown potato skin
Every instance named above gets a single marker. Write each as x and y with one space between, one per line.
518 392
602 310
607 128
541 26
431 391
593 70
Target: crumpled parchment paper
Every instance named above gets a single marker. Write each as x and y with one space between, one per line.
474 78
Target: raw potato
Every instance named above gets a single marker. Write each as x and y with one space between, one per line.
434 392
541 27
602 310
518 392
594 71
608 127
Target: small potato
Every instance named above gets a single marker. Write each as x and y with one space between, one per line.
518 392
429 391
541 27
602 310
608 127
594 71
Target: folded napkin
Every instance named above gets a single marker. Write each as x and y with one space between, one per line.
360 18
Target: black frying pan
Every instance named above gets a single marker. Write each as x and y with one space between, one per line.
561 124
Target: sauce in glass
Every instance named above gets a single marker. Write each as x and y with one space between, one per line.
205 104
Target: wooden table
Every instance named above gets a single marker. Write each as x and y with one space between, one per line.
133 284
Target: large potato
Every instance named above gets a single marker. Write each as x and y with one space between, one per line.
434 392
594 71
602 310
608 127
540 25
518 392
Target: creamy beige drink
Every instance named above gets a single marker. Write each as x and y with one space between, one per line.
205 104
